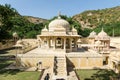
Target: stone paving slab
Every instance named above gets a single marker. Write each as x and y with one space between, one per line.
72 74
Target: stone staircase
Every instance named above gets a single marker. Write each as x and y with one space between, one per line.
60 69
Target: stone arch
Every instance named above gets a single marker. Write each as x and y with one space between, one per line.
73 42
59 42
67 43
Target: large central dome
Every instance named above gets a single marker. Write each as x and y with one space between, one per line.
59 24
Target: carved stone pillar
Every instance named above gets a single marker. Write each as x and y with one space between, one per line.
64 43
75 44
48 42
70 44
54 42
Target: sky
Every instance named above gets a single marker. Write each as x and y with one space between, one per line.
47 9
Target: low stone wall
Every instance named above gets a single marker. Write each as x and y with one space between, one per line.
115 42
7 44
28 45
33 60
78 62
82 62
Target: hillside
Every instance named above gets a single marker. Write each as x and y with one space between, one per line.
35 20
28 27
93 18
11 21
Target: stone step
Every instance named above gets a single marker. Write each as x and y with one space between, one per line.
58 70
60 61
60 57
60 73
60 77
60 66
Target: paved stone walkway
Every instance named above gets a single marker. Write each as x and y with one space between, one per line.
72 75
48 70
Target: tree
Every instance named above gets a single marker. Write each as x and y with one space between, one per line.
6 14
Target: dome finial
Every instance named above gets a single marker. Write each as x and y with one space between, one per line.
102 29
45 27
73 28
59 13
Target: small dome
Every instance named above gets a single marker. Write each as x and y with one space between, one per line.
73 29
15 34
45 29
59 23
79 40
92 34
19 42
102 36
102 33
98 42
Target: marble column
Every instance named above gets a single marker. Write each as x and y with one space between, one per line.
70 44
108 44
64 43
48 42
75 44
54 42
42 43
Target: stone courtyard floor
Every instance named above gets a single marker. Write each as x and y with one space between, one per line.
83 74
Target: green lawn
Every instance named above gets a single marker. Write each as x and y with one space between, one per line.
14 74
18 75
95 74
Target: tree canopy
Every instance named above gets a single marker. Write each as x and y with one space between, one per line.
11 21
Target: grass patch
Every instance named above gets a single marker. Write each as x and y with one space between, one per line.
8 51
18 75
99 74
14 74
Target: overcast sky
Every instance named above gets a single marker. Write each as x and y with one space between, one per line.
50 8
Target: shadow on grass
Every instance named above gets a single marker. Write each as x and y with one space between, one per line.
7 72
5 51
103 74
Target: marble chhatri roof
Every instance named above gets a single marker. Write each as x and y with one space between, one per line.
92 34
59 22
102 36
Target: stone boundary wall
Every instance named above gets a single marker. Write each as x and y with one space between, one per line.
115 42
31 61
28 45
6 44
82 61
